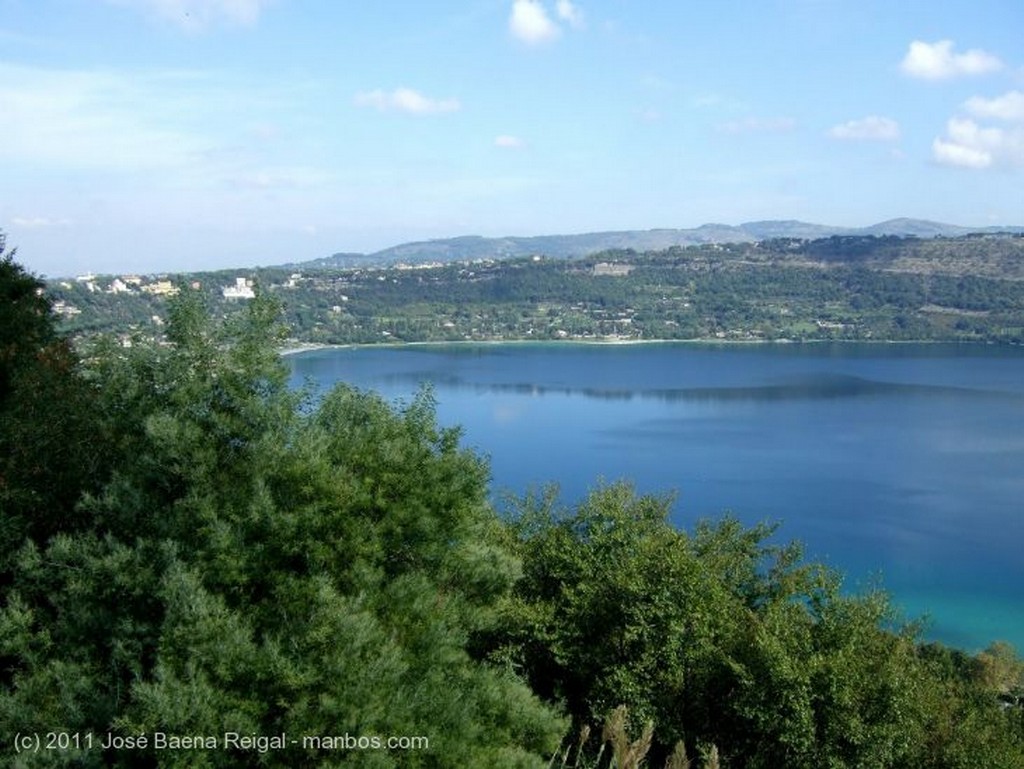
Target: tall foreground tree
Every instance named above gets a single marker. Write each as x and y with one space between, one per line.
47 429
261 564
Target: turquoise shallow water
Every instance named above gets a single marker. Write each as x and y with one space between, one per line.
902 464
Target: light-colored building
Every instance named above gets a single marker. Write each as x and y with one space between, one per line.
612 268
63 308
241 290
160 288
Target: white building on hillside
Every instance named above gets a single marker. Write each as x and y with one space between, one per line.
241 290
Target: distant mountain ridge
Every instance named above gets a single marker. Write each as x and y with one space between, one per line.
467 247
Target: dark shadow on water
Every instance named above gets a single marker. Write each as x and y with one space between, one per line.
810 387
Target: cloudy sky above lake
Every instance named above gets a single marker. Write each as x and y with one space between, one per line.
153 135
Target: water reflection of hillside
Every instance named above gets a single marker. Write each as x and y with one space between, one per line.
809 387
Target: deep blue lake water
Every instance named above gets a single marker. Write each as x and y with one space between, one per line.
899 464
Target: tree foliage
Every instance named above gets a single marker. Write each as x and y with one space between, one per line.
262 564
721 637
46 421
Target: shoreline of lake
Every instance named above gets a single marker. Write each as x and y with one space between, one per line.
297 348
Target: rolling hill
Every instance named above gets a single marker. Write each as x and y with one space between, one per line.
468 247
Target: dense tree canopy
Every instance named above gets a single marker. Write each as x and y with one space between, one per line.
191 548
263 565
722 638
47 456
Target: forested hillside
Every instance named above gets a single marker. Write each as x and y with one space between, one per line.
203 568
969 288
468 248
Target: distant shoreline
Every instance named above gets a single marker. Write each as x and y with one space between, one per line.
313 346
299 347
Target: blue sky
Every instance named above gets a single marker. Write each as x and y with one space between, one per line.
164 135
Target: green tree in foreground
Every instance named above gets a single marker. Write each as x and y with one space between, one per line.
47 430
720 638
262 565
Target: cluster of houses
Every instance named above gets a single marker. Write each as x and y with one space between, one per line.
242 288
125 284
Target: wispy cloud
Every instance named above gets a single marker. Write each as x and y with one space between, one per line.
530 22
508 142
871 128
96 119
281 178
938 61
38 222
405 100
717 101
198 15
570 13
754 125
174 130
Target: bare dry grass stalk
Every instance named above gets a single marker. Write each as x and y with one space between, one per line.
626 753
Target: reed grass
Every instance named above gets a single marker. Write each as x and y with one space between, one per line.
618 751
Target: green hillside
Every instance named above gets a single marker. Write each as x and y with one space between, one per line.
852 287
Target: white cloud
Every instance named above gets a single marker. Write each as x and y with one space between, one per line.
570 13
871 128
937 61
969 145
952 154
509 142
405 100
197 15
1009 107
530 23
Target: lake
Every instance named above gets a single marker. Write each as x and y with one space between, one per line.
898 464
